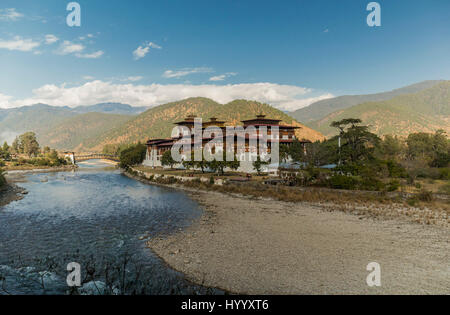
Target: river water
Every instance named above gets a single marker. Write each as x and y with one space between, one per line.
98 218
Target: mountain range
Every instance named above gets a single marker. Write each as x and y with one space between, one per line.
425 111
41 118
420 107
321 109
90 128
158 121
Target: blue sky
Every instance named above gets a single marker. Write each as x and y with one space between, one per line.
286 53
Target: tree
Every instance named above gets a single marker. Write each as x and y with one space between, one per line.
321 153
284 153
433 149
5 147
296 151
28 144
5 152
167 159
53 155
15 147
235 164
202 163
344 123
46 150
391 147
258 164
219 166
357 143
133 155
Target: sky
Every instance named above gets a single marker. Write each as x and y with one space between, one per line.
285 53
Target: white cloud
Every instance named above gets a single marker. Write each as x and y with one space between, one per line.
134 78
143 50
300 103
88 78
184 72
94 92
5 101
51 39
93 55
10 14
67 47
77 49
18 43
222 76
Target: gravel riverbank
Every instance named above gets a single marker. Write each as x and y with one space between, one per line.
255 246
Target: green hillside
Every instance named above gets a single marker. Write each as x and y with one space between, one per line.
15 121
426 111
323 108
158 122
72 132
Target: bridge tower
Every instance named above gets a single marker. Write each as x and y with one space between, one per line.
71 156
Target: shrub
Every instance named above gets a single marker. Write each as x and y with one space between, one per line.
343 182
41 162
372 184
425 195
445 189
429 172
23 161
393 185
211 180
444 173
396 170
412 201
2 163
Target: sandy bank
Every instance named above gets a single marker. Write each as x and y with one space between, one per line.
272 247
19 171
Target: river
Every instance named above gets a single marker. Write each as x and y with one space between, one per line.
98 218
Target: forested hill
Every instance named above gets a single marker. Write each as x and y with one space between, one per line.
425 111
158 121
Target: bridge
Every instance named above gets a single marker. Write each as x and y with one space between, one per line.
76 158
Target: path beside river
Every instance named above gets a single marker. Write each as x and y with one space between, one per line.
259 246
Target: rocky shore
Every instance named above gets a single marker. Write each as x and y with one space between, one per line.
10 193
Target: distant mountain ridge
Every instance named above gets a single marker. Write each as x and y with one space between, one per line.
71 133
40 117
91 127
158 121
323 108
111 108
424 111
